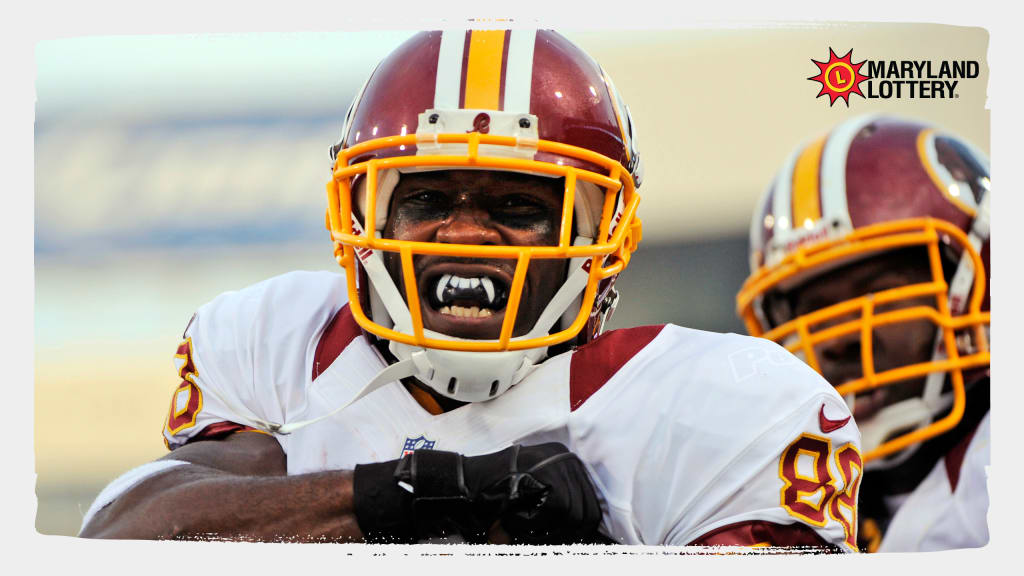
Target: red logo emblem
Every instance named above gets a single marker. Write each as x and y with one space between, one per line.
830 425
839 77
481 124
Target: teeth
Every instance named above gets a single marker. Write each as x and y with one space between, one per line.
441 285
471 312
453 282
488 287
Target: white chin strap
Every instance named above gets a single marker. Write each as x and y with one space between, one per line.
918 412
392 373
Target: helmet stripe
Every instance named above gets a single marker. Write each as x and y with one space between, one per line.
618 106
806 192
783 197
484 69
449 69
519 70
503 69
833 170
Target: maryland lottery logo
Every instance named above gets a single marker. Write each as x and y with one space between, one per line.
839 77
888 79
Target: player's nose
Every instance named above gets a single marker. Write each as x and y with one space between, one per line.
468 225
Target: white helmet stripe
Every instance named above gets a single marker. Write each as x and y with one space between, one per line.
449 69
519 70
833 170
347 126
782 202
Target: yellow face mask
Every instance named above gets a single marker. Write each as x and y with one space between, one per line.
617 235
963 341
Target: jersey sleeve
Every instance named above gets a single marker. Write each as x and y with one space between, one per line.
720 440
795 485
245 356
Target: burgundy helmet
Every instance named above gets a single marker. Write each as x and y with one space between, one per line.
527 101
869 186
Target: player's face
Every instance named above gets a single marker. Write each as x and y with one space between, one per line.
893 345
467 297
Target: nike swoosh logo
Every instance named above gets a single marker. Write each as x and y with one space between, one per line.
830 425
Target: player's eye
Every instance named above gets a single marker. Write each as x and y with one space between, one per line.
423 203
887 282
425 196
521 210
521 203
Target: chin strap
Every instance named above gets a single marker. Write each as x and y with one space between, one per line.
392 373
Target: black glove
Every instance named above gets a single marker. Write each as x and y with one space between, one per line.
539 494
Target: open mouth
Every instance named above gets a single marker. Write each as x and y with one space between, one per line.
473 297
466 301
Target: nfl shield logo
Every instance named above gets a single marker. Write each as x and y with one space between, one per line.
418 443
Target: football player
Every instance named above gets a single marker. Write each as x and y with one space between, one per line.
451 382
870 260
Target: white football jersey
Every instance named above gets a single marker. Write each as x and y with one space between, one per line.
949 508
689 437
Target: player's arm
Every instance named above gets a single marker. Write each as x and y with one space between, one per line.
237 488
231 488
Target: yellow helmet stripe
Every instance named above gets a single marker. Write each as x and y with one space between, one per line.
806 197
484 69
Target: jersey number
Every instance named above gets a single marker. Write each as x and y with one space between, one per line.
809 490
188 398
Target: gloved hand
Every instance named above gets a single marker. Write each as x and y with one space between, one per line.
538 494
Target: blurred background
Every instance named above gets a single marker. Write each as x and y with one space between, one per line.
169 169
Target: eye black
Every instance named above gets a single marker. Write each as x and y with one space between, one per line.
522 204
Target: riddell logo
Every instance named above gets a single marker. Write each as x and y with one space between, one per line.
889 79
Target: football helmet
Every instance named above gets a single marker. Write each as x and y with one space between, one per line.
871 186
508 100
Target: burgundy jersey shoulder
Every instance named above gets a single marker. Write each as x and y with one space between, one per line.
339 333
594 363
